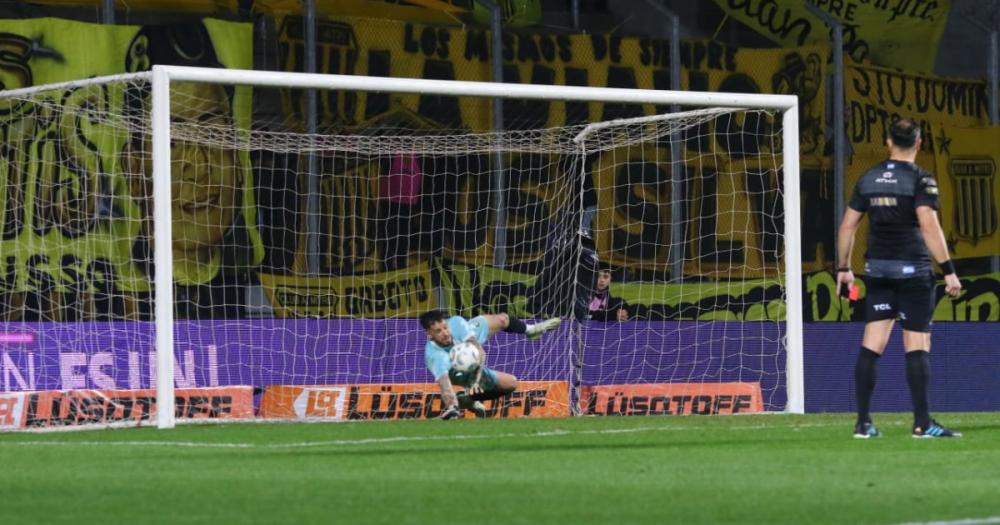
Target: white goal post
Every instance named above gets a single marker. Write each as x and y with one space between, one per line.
162 76
154 123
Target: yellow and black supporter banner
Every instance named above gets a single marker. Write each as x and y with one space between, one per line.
437 11
402 293
469 291
876 96
883 31
357 46
953 114
387 48
74 192
980 300
967 162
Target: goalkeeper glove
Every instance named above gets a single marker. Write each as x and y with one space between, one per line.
451 412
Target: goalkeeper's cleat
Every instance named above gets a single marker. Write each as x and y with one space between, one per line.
934 430
865 431
536 330
451 412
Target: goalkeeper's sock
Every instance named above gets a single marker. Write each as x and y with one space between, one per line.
467 403
918 374
515 325
487 395
464 401
864 382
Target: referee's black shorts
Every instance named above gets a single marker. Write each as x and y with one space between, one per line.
911 300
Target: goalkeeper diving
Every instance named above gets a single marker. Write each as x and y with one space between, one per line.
444 332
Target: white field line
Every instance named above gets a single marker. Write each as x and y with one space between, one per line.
397 439
886 422
966 521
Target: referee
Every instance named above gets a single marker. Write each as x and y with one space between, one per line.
901 200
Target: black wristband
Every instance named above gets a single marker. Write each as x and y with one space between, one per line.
947 267
843 269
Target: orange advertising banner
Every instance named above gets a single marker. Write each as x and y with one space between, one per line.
671 399
404 401
11 410
67 408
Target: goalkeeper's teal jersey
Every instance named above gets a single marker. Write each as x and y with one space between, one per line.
436 356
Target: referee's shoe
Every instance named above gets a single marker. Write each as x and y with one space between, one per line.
933 429
866 430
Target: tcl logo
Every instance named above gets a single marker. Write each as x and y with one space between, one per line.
883 307
321 402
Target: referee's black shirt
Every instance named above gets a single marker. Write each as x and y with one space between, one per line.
890 193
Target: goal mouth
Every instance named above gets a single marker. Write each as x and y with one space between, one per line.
299 259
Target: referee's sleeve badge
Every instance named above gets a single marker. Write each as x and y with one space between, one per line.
930 185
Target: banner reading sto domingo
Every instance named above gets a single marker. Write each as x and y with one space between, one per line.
75 191
953 115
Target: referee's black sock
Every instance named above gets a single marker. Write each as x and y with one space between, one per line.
918 375
515 325
864 382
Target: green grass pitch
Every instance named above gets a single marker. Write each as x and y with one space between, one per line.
725 469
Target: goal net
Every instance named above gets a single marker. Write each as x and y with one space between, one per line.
299 259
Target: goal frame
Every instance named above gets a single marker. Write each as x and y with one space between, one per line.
161 78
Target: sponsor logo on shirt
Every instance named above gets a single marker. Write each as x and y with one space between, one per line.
886 178
882 201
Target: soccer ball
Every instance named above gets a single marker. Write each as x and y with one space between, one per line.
464 358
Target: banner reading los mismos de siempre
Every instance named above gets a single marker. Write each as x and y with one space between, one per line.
75 193
385 48
390 48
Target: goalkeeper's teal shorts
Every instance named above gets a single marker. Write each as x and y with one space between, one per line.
488 381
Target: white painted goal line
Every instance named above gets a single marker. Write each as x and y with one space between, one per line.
965 521
403 439
887 422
